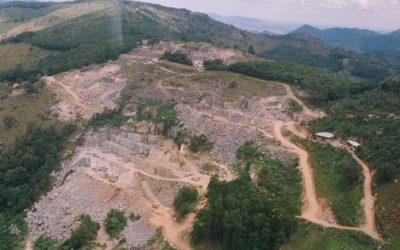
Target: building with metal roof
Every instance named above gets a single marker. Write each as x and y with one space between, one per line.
325 135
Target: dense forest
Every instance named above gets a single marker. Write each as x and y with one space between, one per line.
239 215
372 118
25 175
243 214
323 87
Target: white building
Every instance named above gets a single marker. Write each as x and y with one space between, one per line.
325 135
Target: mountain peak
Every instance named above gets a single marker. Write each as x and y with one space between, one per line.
395 33
311 30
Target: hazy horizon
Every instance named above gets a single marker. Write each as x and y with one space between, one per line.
376 15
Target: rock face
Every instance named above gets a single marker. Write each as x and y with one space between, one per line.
122 143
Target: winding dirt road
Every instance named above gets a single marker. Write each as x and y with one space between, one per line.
312 210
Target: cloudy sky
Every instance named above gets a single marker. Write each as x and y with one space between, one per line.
381 15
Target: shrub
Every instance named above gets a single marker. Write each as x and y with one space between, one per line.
295 107
185 201
159 112
9 121
232 84
251 50
216 64
83 236
107 117
177 57
134 217
115 222
200 144
46 243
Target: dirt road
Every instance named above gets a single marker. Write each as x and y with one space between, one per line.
311 210
368 201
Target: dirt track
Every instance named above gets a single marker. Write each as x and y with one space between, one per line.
311 210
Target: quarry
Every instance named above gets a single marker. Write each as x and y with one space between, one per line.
138 168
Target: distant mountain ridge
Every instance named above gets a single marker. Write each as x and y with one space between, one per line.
384 46
254 24
360 40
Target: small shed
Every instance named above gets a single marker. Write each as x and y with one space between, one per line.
353 144
325 135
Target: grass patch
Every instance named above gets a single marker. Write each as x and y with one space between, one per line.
21 54
178 68
115 222
235 86
388 212
185 201
25 109
138 76
313 237
339 178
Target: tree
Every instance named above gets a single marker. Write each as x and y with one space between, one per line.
239 215
199 143
185 201
9 121
46 243
216 64
251 50
391 84
83 236
115 222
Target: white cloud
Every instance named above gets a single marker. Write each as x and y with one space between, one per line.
365 5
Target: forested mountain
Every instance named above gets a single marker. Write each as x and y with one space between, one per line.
114 27
360 40
385 46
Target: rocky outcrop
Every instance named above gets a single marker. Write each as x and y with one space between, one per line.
122 143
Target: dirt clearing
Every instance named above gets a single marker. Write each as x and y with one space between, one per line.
87 91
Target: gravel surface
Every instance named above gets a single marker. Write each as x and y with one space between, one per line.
227 138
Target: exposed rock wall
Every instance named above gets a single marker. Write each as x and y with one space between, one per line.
122 143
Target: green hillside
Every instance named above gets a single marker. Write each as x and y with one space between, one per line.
102 35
